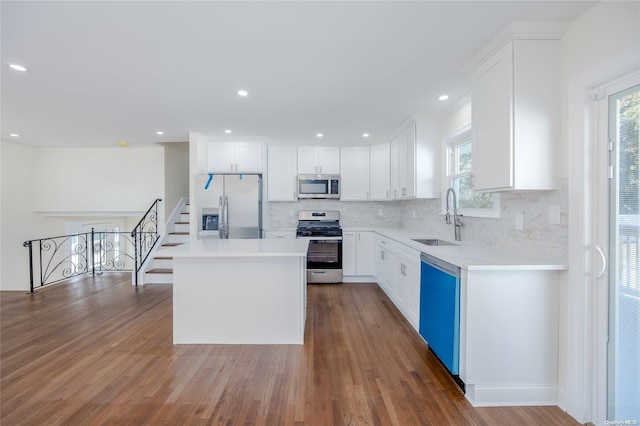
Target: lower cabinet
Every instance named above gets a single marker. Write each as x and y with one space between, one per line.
397 270
384 267
357 253
411 277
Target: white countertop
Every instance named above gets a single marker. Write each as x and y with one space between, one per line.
470 256
239 248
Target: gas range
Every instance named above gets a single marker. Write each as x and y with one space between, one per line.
318 224
324 256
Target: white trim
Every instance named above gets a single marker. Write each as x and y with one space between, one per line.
506 395
450 140
517 31
601 232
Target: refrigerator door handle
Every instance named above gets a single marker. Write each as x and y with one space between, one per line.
226 217
220 219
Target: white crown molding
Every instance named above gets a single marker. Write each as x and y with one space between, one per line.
517 31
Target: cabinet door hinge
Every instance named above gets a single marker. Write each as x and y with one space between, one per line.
611 176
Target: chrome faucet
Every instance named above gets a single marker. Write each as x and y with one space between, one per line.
457 219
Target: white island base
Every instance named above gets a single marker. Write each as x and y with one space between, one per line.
239 292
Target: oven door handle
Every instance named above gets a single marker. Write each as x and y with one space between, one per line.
320 238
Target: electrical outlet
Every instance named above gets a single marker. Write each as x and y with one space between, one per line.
519 221
290 212
413 213
380 212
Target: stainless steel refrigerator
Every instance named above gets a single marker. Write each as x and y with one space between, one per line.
230 206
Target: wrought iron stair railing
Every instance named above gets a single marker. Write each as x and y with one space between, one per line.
145 235
66 256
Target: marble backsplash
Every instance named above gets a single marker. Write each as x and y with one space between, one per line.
539 236
283 215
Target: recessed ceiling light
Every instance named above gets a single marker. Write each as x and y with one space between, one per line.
17 67
319 135
14 135
227 130
443 97
123 144
160 133
243 92
365 135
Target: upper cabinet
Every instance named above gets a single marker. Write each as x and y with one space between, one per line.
380 172
415 161
319 160
234 157
516 115
281 173
354 173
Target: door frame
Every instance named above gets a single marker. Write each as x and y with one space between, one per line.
603 240
580 381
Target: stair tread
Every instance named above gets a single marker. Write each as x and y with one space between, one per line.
182 223
160 271
171 244
179 233
163 257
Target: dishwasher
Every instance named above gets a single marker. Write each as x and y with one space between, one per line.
440 311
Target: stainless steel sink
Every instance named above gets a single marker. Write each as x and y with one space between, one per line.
434 242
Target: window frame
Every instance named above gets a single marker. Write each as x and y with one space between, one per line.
450 142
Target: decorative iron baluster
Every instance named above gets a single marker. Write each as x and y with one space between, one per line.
68 256
147 235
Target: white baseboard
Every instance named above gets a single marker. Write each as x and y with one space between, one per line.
358 279
508 395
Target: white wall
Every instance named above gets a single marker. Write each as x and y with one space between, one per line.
79 180
92 182
176 180
18 222
601 33
458 119
592 49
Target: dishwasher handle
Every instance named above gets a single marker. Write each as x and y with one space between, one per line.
440 264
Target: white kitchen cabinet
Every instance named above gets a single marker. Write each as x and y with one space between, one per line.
410 277
348 253
516 117
509 322
318 160
397 270
385 260
407 278
365 254
354 173
234 157
415 161
380 172
358 253
282 173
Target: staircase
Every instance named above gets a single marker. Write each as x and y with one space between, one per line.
160 269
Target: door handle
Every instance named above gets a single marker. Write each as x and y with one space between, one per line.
604 262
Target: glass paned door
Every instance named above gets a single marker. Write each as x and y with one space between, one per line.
624 291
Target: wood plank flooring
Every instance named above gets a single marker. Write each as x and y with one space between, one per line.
97 351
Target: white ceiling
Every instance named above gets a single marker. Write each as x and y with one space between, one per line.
104 72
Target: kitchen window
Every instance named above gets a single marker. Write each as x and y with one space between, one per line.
459 151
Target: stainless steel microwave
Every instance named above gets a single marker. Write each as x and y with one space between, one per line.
319 186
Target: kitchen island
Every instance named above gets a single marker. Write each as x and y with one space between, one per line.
239 291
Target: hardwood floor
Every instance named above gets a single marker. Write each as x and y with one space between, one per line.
99 351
